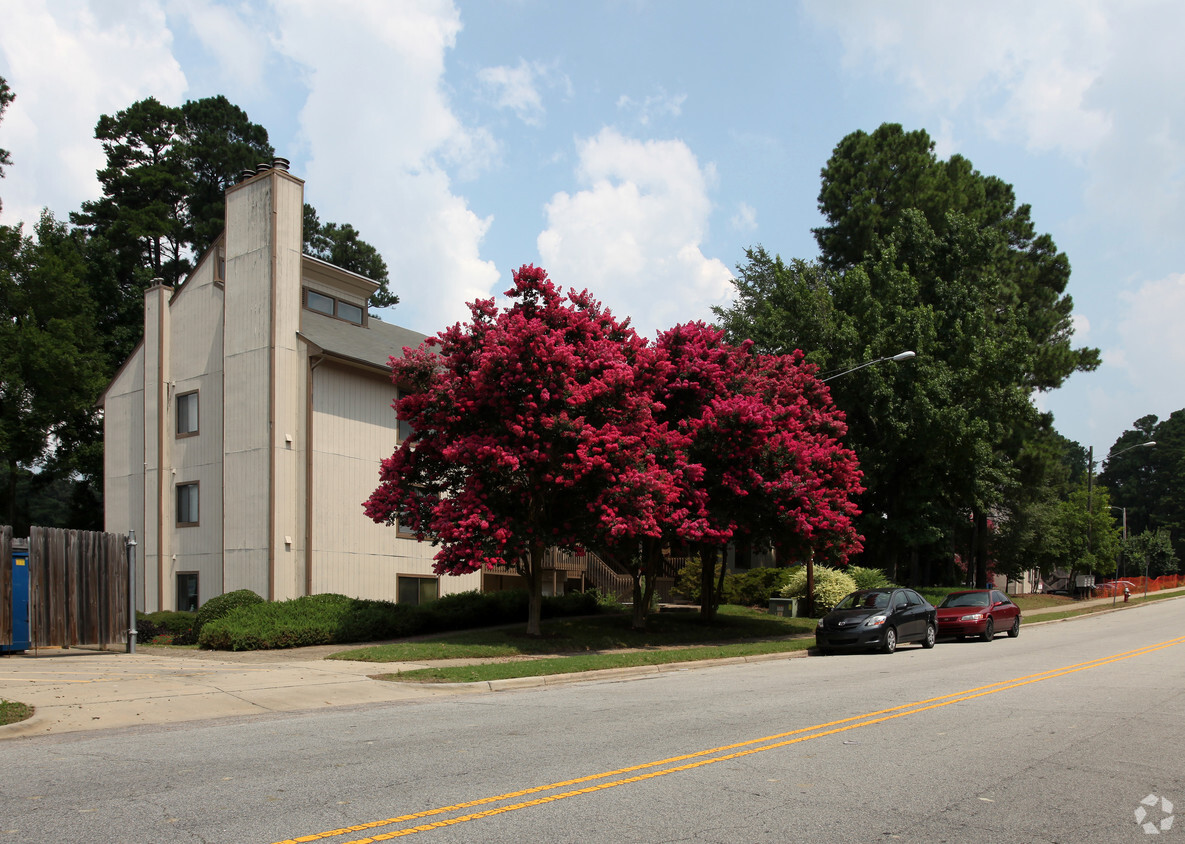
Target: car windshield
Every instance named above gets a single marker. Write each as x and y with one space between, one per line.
864 600
966 599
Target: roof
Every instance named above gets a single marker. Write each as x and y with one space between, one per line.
372 344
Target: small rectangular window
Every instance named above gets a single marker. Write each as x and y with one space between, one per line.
350 313
319 302
187 414
417 590
187 591
187 504
403 427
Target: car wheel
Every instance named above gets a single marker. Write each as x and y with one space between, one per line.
931 637
1014 630
989 631
890 643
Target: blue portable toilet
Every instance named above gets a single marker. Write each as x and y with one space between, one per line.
20 599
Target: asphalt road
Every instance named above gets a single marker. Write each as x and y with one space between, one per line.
1053 737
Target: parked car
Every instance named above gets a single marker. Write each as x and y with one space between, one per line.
978 612
878 619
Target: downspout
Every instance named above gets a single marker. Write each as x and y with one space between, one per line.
308 474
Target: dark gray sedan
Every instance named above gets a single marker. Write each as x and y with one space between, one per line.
878 619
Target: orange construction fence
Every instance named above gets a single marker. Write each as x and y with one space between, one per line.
1136 585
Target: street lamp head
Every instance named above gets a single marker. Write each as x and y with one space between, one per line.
904 356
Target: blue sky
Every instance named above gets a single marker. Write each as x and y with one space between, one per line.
637 147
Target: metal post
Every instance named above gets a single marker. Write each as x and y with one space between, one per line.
131 591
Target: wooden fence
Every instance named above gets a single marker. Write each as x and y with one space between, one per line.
78 587
5 585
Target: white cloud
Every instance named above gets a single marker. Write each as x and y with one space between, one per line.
1095 82
1152 339
515 88
238 42
632 236
69 63
380 133
745 218
650 107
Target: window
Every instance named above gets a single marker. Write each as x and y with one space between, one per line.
404 429
187 504
187 414
350 313
319 302
328 305
417 590
187 591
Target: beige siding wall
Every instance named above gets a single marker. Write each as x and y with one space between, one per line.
353 429
123 457
158 479
261 375
289 392
197 366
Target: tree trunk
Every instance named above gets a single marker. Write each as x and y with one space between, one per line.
638 622
535 590
981 550
707 585
647 574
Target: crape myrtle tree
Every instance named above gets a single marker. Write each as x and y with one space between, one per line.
527 424
766 435
551 424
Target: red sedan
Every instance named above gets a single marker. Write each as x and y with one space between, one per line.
978 612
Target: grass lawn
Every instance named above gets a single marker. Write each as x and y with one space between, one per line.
593 635
591 644
12 711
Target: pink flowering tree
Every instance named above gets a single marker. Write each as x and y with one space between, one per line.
766 436
530 431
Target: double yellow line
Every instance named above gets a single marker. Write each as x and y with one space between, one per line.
640 773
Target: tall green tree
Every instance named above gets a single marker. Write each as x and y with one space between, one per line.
1151 552
50 373
1147 481
932 256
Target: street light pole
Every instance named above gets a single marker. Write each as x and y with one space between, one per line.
1122 552
810 560
897 357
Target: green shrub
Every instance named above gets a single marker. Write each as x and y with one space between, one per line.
867 578
171 627
754 588
337 619
687 584
831 585
221 605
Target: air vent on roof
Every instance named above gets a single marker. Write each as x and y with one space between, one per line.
262 167
280 164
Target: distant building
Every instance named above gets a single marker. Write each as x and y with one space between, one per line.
245 431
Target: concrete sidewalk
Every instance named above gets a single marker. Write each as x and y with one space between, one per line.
85 689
